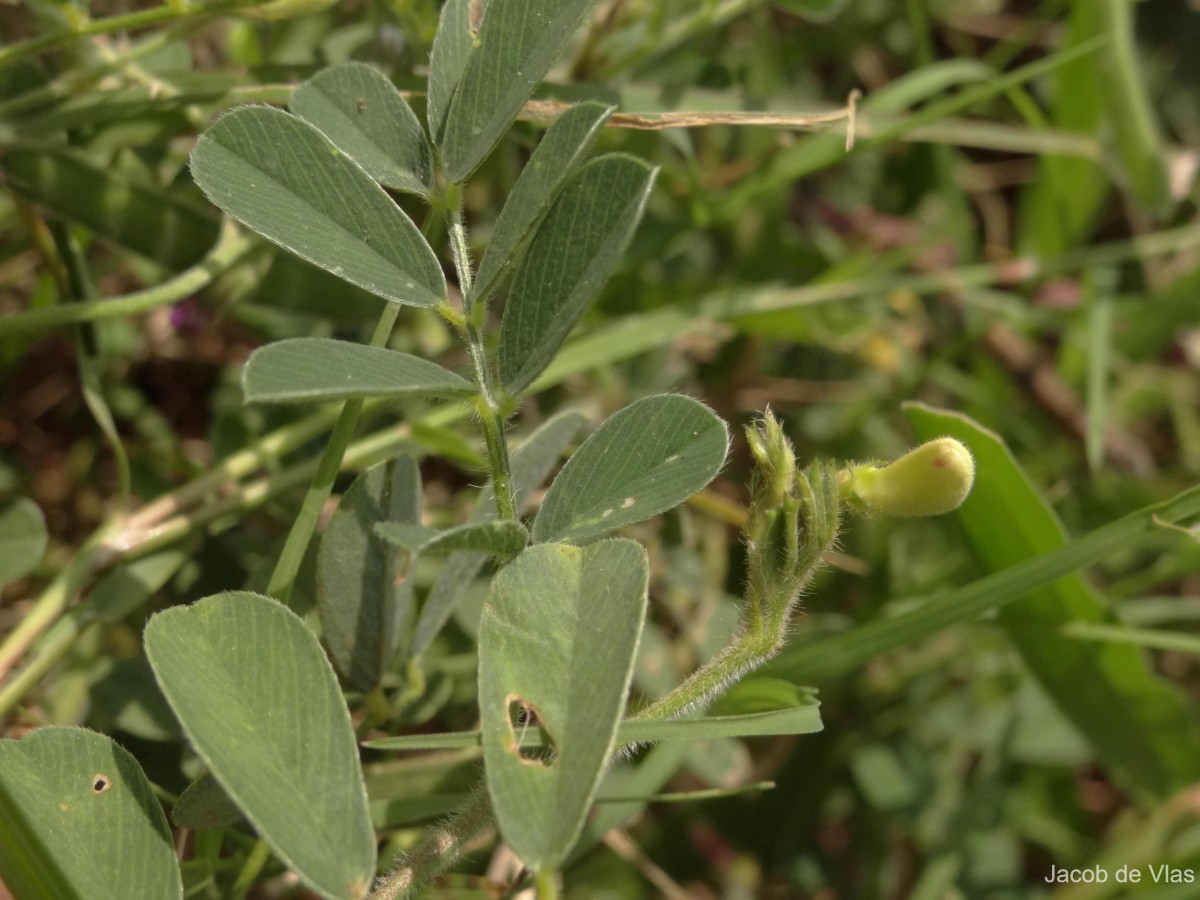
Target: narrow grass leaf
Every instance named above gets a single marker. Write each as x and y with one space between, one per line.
564 146
804 718
360 110
78 819
283 178
364 592
1092 684
22 538
501 537
151 222
261 705
531 463
557 642
646 459
517 43
570 258
452 46
319 370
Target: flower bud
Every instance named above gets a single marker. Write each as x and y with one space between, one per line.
934 478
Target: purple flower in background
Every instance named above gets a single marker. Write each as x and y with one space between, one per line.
189 317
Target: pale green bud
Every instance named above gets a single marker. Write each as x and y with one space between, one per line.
934 478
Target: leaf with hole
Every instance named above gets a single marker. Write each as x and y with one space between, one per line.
260 703
79 821
360 110
568 261
283 178
560 152
557 642
319 370
647 458
499 537
517 43
364 592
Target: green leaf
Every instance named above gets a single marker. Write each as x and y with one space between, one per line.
78 819
1007 522
793 716
574 252
531 463
360 110
283 178
557 642
204 804
646 459
317 370
563 147
22 538
150 222
517 43
452 46
364 594
262 707
499 537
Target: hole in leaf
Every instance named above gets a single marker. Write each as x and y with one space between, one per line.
100 783
525 725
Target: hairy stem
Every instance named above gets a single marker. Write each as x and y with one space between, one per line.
488 405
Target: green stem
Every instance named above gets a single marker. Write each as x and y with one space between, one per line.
284 576
250 870
488 405
547 884
125 22
230 249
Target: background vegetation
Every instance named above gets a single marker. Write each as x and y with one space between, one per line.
1014 235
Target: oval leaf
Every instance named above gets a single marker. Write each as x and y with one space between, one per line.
317 370
364 594
78 819
283 178
556 645
261 705
500 537
646 459
22 538
360 110
569 260
565 144
518 41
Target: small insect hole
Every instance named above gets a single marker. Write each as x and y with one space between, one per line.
526 724
100 783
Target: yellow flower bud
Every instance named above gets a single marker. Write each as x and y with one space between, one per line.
934 478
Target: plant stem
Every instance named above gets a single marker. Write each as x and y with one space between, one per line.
488 405
547 884
126 22
230 248
284 576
